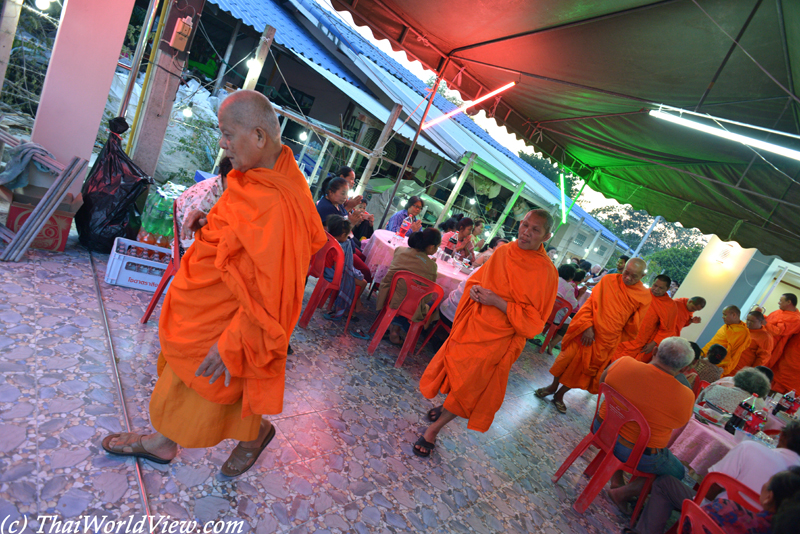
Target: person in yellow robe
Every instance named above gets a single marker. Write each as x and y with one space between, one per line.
658 324
686 308
734 336
760 349
510 298
613 313
228 315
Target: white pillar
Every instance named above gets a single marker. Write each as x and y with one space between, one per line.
594 241
509 207
384 137
79 76
457 188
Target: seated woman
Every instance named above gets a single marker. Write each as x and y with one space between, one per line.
477 233
364 229
565 291
414 258
746 382
201 197
339 228
334 197
463 234
488 250
413 208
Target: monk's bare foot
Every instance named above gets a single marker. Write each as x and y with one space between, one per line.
246 453
154 444
395 339
544 392
619 502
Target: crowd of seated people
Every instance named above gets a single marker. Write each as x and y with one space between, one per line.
464 246
488 250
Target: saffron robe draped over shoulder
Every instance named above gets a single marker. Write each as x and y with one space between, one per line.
616 312
683 317
473 365
759 351
787 370
241 286
735 338
782 325
657 325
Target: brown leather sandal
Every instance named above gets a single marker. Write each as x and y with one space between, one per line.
137 450
242 458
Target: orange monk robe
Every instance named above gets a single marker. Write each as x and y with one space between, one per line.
735 338
473 365
658 324
683 317
787 370
759 351
782 325
616 312
241 284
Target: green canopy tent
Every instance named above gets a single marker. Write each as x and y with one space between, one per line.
589 71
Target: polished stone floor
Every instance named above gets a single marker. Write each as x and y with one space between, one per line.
341 460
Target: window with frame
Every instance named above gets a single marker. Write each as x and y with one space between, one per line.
580 239
602 250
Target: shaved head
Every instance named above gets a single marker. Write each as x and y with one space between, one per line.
634 271
731 314
251 135
534 229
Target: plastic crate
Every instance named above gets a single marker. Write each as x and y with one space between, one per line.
130 271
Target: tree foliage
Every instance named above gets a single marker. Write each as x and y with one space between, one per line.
630 226
443 90
675 262
571 182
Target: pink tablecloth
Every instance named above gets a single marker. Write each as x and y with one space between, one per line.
380 251
700 446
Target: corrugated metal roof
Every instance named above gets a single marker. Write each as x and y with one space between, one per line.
362 46
290 33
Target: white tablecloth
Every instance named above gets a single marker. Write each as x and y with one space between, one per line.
380 251
700 446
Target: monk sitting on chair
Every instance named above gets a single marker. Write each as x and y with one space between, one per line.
613 313
227 318
734 336
686 309
658 324
510 299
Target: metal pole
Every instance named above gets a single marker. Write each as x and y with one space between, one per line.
303 153
137 57
318 163
352 158
509 208
594 242
226 58
283 125
373 159
434 90
649 231
457 188
773 286
254 72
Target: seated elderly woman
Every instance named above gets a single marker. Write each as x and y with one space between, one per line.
488 250
463 235
413 208
414 258
745 383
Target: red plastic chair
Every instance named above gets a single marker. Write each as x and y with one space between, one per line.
737 492
619 411
699 521
439 324
550 327
172 267
417 288
323 289
357 295
699 386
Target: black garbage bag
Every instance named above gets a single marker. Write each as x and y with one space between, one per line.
109 195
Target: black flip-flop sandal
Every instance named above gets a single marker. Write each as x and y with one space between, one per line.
434 414
421 442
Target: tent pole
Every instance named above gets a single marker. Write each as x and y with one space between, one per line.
457 188
226 58
646 235
384 137
772 287
137 57
509 207
434 90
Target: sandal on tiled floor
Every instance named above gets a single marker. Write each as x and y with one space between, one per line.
560 406
242 458
542 393
422 443
137 450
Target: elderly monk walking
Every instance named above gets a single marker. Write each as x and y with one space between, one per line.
510 299
227 318
685 309
657 325
613 313
734 336
783 323
760 349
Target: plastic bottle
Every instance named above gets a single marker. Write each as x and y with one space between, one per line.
742 415
785 404
403 230
756 422
451 245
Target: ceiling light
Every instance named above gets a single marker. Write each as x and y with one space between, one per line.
453 180
472 201
555 164
487 234
595 249
555 256
303 135
749 141
187 111
437 120
42 5
252 63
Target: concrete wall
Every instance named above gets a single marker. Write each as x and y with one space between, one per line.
721 282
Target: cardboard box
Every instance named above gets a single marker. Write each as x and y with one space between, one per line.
55 232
